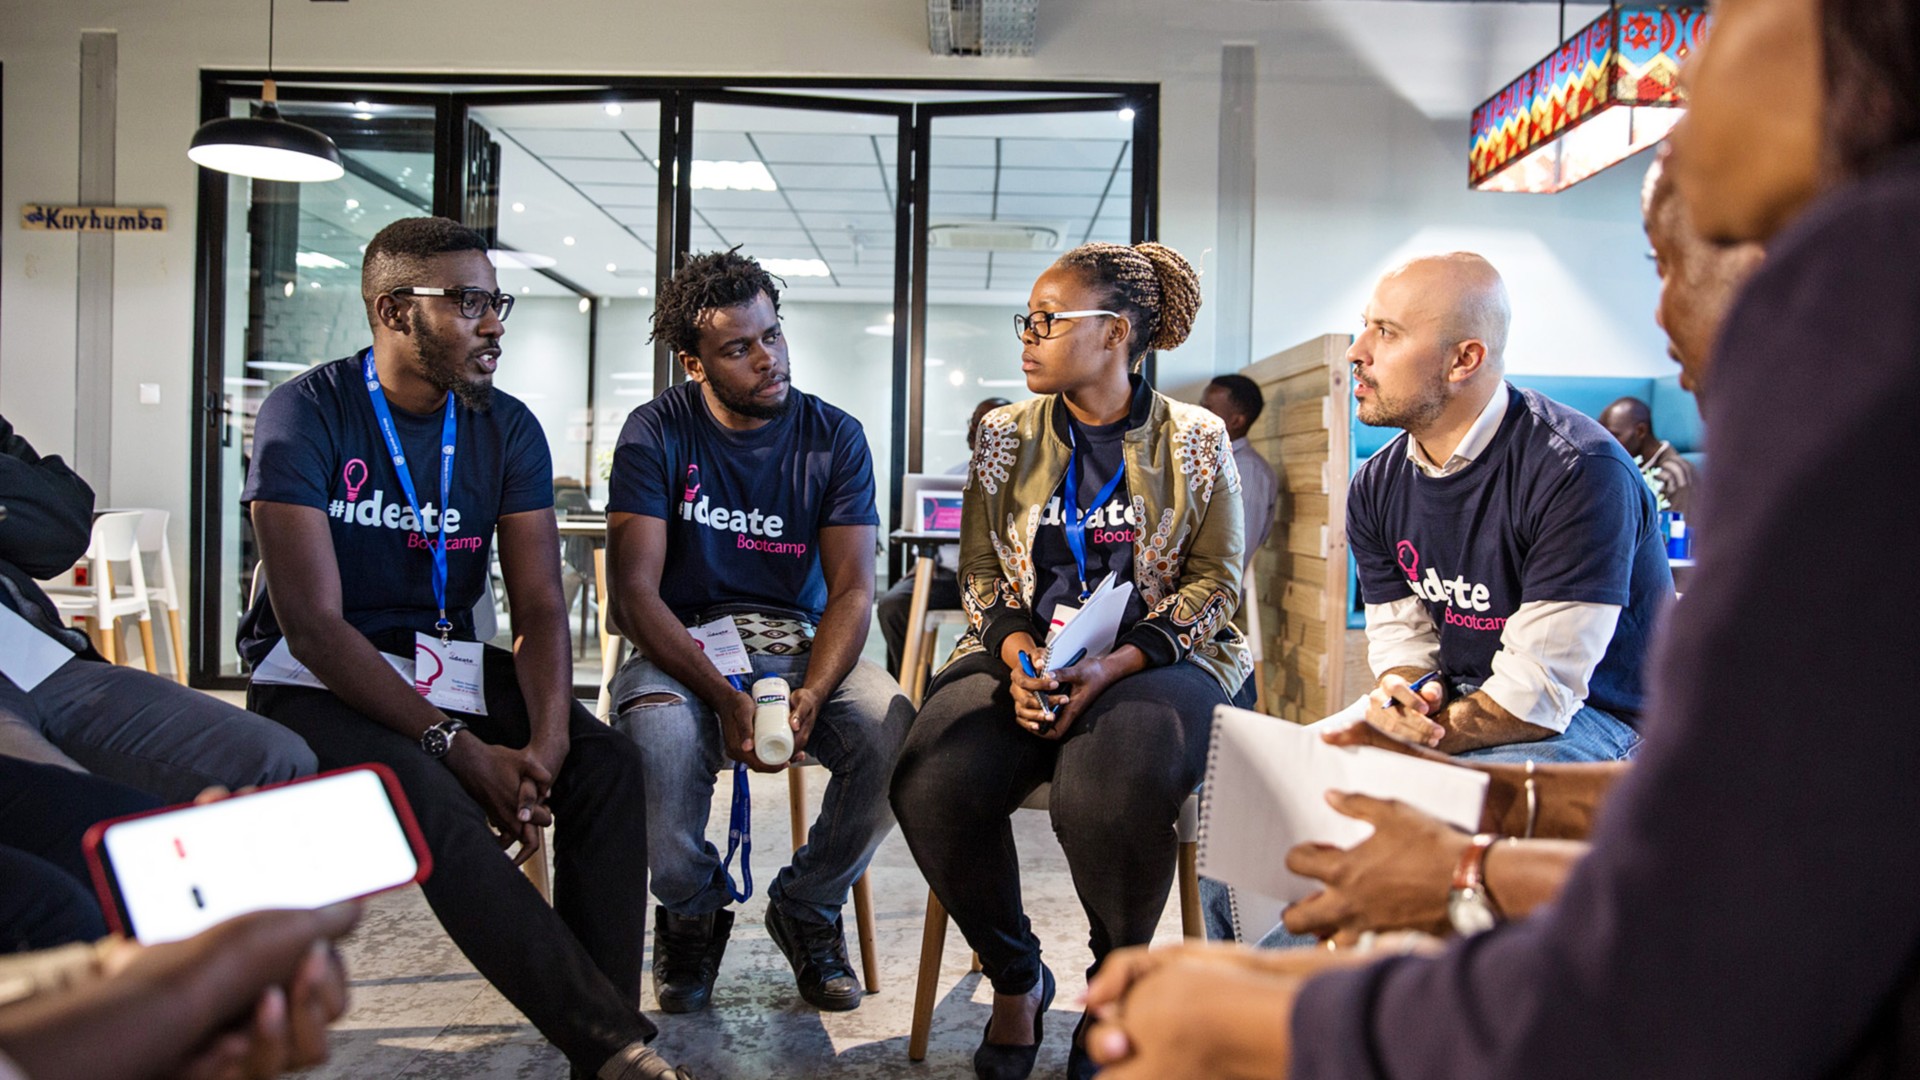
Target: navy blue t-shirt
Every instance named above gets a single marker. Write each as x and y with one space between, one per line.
1110 526
1553 510
744 509
316 444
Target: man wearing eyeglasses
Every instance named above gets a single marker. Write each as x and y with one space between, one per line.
377 484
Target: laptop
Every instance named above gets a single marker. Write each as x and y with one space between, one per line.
930 503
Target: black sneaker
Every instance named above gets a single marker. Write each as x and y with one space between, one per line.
686 957
818 953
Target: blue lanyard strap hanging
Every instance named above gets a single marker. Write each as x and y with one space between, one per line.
436 539
740 824
1073 519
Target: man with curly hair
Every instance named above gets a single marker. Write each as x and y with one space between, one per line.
744 508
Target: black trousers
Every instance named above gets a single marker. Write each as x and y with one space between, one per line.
46 894
1119 778
574 968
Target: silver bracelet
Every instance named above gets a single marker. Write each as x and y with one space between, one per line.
1533 801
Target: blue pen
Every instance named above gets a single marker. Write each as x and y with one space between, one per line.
1046 707
1423 680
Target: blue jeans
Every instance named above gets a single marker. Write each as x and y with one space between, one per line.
857 736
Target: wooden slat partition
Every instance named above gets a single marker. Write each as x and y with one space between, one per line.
1313 664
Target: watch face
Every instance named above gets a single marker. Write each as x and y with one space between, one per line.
436 741
1469 912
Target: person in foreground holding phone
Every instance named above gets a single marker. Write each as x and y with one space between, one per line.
376 484
744 507
1100 475
246 1000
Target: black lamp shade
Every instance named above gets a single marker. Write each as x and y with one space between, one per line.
266 148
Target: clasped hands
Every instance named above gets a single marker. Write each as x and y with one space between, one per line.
511 785
1085 681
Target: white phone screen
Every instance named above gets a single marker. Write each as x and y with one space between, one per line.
305 845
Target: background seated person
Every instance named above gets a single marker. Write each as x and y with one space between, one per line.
1630 422
1503 541
1148 487
129 726
485 742
943 592
737 497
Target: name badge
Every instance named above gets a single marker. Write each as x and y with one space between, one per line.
720 640
450 675
1062 615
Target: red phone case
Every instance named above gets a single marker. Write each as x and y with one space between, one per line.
110 899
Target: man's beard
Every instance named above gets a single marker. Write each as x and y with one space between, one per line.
746 404
1413 413
445 368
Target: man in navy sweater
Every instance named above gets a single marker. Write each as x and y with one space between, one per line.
1504 541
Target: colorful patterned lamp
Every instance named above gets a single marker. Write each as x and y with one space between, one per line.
1605 94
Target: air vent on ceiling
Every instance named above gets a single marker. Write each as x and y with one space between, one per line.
980 27
994 236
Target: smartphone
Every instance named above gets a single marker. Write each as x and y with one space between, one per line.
169 874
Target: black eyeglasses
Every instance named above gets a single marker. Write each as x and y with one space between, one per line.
473 302
1041 322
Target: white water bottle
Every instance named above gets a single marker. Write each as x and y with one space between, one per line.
772 731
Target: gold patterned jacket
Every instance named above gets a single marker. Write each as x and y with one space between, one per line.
1189 536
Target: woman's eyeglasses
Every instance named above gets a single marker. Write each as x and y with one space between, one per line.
1041 322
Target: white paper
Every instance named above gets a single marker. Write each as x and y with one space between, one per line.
720 640
281 669
1267 782
451 675
28 656
1093 629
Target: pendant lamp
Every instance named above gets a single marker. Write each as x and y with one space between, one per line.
265 146
1605 94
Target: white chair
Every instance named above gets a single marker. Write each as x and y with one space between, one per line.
160 587
116 539
933 935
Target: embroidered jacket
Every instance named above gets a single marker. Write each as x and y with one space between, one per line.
1188 544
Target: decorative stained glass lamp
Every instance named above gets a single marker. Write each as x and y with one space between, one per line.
1605 94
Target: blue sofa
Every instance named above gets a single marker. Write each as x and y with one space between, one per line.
1676 418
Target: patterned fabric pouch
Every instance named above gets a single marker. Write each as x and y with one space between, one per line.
775 635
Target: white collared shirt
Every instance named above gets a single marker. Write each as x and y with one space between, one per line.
1548 649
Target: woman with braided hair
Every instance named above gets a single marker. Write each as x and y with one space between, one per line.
1098 475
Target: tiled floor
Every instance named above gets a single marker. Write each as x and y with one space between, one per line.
420 1011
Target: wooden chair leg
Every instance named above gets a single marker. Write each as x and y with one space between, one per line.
973 964
146 646
1191 923
863 919
933 942
108 637
797 804
178 643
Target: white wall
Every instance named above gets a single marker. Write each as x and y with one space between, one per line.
1362 158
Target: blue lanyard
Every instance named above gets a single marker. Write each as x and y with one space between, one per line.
1073 519
740 823
448 429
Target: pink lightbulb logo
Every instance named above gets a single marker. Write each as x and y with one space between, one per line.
355 474
693 483
425 686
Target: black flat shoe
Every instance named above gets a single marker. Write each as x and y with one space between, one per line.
992 1061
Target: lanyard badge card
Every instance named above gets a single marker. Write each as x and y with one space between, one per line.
448 673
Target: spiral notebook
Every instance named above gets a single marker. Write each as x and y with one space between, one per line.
1266 786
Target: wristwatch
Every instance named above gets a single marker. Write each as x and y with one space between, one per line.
438 739
1470 908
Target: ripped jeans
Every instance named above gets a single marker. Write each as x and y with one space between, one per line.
857 736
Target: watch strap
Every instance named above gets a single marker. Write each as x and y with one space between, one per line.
1470 873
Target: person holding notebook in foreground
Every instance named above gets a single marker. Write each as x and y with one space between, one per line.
1099 476
1735 917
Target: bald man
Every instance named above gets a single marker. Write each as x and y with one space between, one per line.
1504 541
1630 422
